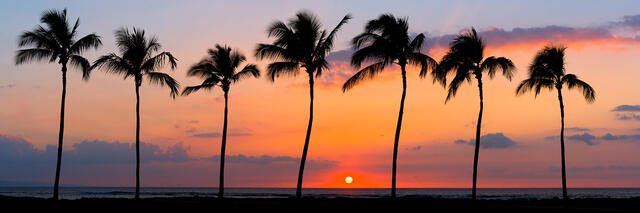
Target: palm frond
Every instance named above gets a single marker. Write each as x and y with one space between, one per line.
132 43
152 44
286 68
439 75
423 61
572 81
365 38
451 61
491 64
58 26
416 43
320 65
39 38
285 37
327 44
158 61
534 84
249 70
370 53
112 64
235 59
83 64
549 60
299 43
124 40
192 89
454 63
455 84
381 23
469 46
279 29
270 51
307 30
74 30
164 79
84 43
368 72
203 69
34 54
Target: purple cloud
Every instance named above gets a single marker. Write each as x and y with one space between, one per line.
490 141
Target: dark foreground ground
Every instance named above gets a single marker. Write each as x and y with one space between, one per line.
331 205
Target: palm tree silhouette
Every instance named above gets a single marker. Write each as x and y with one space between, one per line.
219 69
56 41
548 71
465 59
299 44
137 61
388 42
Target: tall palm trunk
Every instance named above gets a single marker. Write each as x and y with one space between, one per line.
397 137
477 146
61 131
306 140
223 147
564 174
137 140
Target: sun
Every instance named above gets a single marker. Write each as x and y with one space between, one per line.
348 180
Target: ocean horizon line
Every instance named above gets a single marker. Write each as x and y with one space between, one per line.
244 187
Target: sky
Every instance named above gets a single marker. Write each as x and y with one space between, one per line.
352 132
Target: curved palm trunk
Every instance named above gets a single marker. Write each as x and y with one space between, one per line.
477 146
397 136
564 174
61 131
223 147
306 140
137 141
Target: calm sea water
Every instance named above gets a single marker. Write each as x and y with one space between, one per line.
485 193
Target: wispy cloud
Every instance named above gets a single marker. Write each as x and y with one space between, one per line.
626 108
267 160
490 141
591 140
611 137
627 117
585 137
597 168
7 86
218 134
414 148
577 129
189 126
627 112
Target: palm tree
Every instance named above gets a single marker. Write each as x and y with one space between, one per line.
386 41
219 69
137 61
299 44
465 59
547 71
56 41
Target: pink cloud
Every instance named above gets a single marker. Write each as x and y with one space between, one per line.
498 38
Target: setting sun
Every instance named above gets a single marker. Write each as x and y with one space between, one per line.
348 180
268 111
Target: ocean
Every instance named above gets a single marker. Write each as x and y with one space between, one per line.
453 193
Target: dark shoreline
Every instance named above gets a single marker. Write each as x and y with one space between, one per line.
352 205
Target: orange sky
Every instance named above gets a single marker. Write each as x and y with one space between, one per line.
352 132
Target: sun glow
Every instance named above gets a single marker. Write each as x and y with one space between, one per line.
348 180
